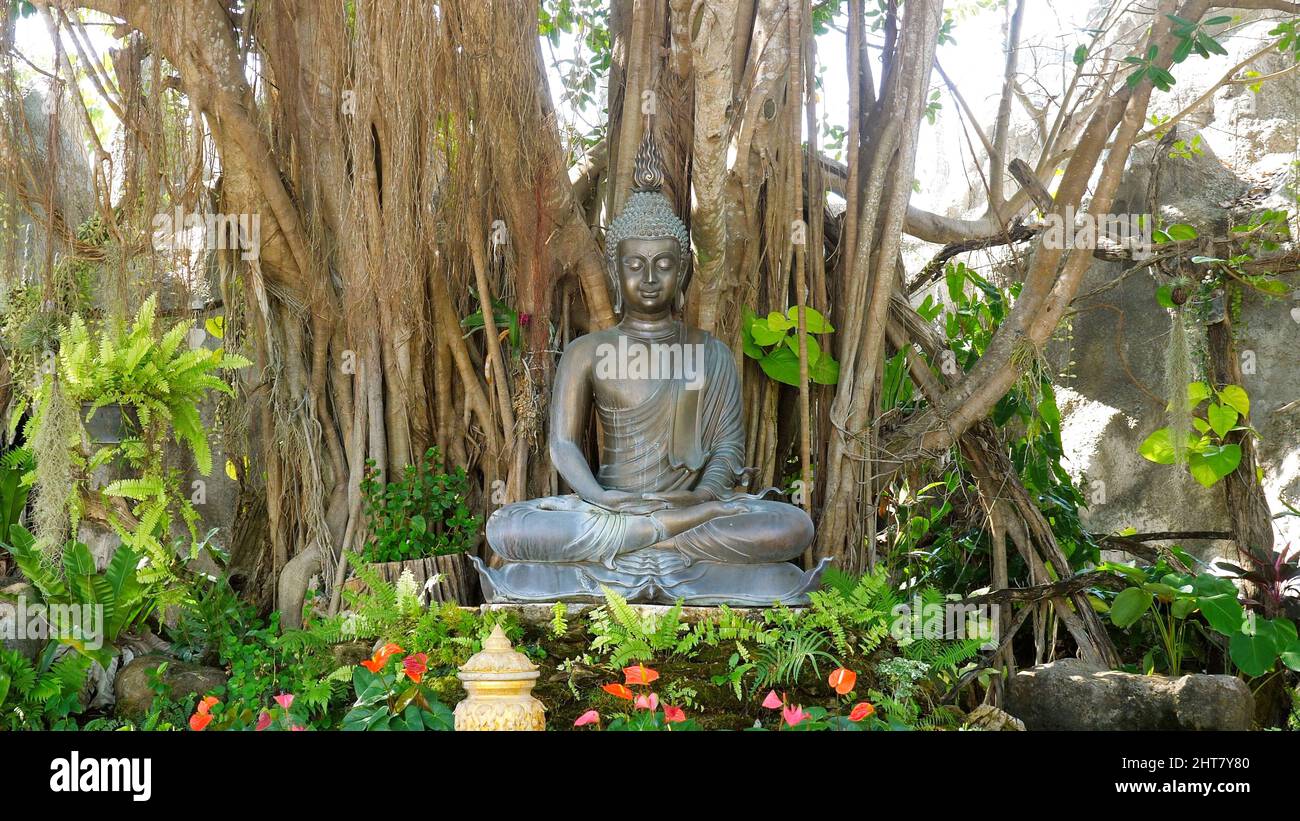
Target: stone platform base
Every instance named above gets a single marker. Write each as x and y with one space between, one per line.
536 615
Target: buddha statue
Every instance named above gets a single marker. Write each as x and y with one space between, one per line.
666 516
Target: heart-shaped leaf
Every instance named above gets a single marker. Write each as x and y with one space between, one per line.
1235 396
1222 418
1213 463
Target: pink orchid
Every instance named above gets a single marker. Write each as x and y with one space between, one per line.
589 717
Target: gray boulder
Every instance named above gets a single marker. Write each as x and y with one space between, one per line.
135 697
1071 695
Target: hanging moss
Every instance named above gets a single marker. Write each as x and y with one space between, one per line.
1178 369
55 429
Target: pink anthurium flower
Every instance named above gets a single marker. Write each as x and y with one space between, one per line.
673 714
589 717
644 702
772 702
285 700
793 714
263 721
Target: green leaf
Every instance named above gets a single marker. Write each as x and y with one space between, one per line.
1158 447
368 686
1235 396
813 319
1165 296
781 365
1080 55
1253 654
825 371
418 524
216 326
1213 463
1181 232
1290 657
1222 419
1129 606
1197 392
1222 611
777 321
764 334
814 350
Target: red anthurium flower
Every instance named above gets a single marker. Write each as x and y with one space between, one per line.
263 721
639 674
793 714
205 706
415 666
589 717
673 714
285 700
200 720
618 691
861 711
772 702
391 648
842 680
644 702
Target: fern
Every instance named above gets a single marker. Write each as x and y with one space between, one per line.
627 636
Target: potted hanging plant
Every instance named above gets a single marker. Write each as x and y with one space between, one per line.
420 522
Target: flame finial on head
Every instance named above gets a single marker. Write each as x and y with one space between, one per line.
648 166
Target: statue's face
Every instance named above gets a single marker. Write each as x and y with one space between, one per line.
649 273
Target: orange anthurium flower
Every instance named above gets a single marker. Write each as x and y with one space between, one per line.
639 674
861 711
673 714
200 720
377 662
589 717
205 706
415 666
772 702
618 691
842 680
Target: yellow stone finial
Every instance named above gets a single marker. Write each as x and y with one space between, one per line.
499 681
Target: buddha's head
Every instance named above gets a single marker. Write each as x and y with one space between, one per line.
647 248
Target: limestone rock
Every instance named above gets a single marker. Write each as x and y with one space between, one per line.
13 636
134 697
988 717
1071 695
